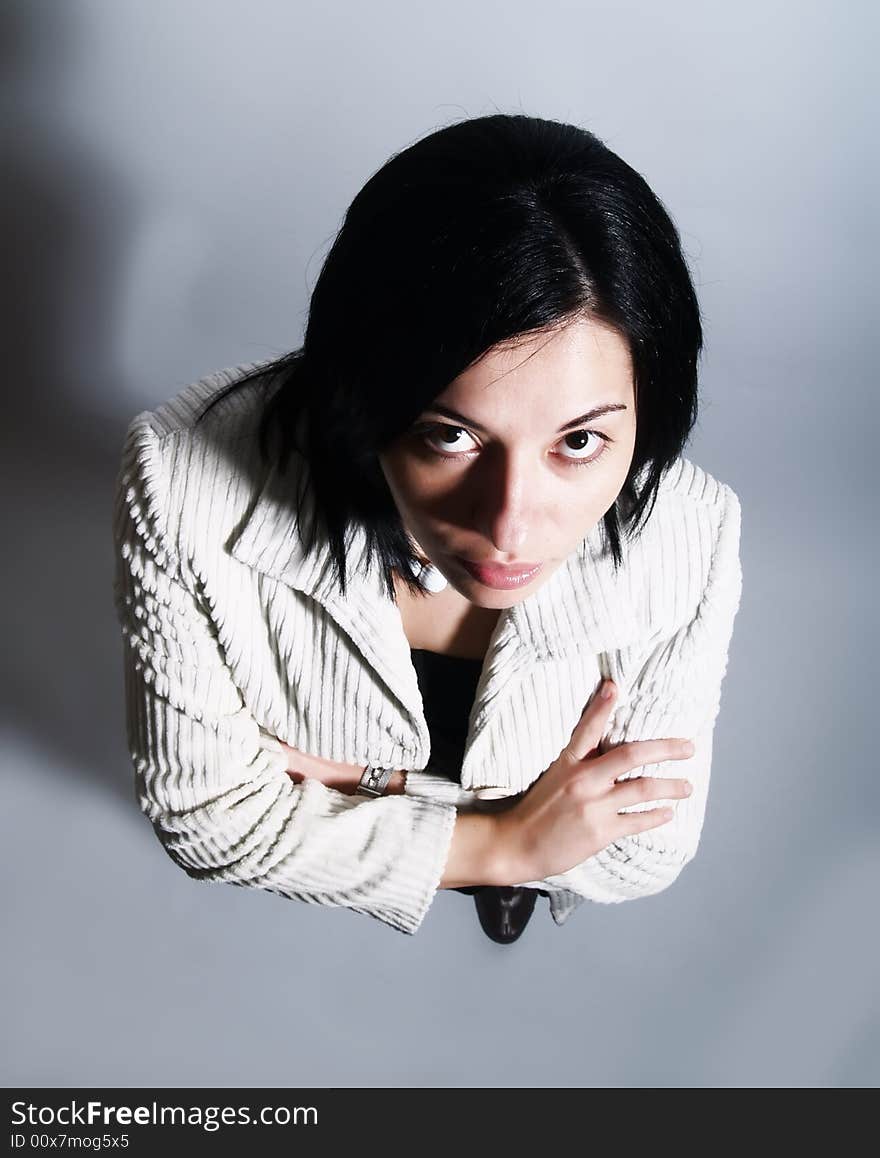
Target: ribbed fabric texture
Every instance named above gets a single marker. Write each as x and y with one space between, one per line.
236 637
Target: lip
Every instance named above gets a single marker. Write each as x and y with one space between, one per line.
498 576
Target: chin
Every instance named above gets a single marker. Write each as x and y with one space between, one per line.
477 594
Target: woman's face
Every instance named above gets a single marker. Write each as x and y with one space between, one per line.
504 467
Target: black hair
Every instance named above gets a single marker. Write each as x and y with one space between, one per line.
482 232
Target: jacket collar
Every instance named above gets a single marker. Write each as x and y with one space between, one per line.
583 606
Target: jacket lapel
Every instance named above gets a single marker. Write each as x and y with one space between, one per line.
269 541
584 609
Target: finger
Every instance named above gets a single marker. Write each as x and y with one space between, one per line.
590 727
643 788
629 823
637 753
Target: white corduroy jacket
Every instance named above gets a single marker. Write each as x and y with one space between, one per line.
235 637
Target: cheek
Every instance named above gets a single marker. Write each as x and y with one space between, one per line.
617 476
416 481
394 468
584 506
407 482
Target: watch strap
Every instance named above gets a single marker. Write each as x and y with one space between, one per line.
374 780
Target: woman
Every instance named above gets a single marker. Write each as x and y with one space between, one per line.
372 594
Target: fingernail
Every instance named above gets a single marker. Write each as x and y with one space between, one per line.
607 690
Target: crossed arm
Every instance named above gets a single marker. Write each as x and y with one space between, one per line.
676 692
343 777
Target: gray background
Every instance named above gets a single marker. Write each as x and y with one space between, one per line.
174 172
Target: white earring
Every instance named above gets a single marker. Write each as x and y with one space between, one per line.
430 577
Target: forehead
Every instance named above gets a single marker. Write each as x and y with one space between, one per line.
582 361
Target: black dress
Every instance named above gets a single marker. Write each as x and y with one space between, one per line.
448 684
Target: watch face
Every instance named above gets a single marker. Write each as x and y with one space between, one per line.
375 780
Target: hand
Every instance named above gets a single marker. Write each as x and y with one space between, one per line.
301 766
343 777
571 811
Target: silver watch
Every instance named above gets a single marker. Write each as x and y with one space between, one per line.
374 780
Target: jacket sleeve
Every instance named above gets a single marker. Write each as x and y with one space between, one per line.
212 783
677 692
430 786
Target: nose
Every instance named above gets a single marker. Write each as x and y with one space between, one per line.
504 502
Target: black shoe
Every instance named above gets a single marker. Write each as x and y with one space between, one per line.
505 910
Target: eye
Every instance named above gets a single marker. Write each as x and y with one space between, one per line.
445 442
444 436
582 437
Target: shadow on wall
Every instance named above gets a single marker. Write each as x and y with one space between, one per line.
67 233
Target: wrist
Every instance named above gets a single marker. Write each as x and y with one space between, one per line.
506 860
397 784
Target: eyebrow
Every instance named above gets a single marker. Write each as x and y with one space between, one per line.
596 412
